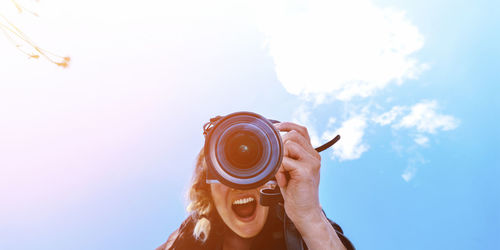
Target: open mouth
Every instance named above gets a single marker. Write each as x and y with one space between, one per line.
244 207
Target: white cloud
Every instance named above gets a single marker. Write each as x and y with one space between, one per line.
350 145
388 117
341 48
302 116
424 118
409 173
411 169
331 121
337 50
422 140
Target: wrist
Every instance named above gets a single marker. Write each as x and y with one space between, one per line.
309 220
319 234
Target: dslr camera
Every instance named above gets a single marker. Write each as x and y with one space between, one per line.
243 150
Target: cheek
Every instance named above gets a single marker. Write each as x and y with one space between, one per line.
219 196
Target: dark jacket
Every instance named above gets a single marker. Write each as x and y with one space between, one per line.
272 235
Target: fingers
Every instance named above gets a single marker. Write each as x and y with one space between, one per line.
297 171
289 165
301 161
287 169
289 126
294 150
281 178
292 153
302 141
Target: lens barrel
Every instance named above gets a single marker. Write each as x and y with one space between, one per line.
243 150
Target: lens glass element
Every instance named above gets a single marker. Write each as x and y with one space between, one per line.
243 149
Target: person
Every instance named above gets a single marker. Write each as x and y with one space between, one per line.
224 218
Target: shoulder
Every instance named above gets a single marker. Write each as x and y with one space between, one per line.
184 229
182 238
170 241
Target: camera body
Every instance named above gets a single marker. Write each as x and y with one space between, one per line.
243 150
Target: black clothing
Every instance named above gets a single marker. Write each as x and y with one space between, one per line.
272 235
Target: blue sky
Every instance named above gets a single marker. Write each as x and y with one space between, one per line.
99 155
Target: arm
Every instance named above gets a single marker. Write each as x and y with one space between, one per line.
318 233
298 178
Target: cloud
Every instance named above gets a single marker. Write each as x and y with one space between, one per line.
331 121
409 173
388 117
350 145
421 116
341 49
346 51
424 118
411 169
422 140
302 115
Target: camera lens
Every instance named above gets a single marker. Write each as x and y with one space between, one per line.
243 149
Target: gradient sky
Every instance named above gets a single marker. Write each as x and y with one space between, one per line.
99 155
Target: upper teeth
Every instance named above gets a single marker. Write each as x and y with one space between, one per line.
243 201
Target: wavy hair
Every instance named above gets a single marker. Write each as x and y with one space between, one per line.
201 205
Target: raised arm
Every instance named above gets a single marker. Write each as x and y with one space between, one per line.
298 178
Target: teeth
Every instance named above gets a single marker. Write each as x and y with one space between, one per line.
243 201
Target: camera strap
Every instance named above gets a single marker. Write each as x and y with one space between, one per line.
207 126
293 239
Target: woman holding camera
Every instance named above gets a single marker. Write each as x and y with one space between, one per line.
225 218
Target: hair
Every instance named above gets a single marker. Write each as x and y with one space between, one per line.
201 205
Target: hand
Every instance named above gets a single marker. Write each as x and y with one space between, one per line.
299 174
298 178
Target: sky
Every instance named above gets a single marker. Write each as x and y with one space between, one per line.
99 155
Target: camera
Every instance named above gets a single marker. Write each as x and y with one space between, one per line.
243 150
